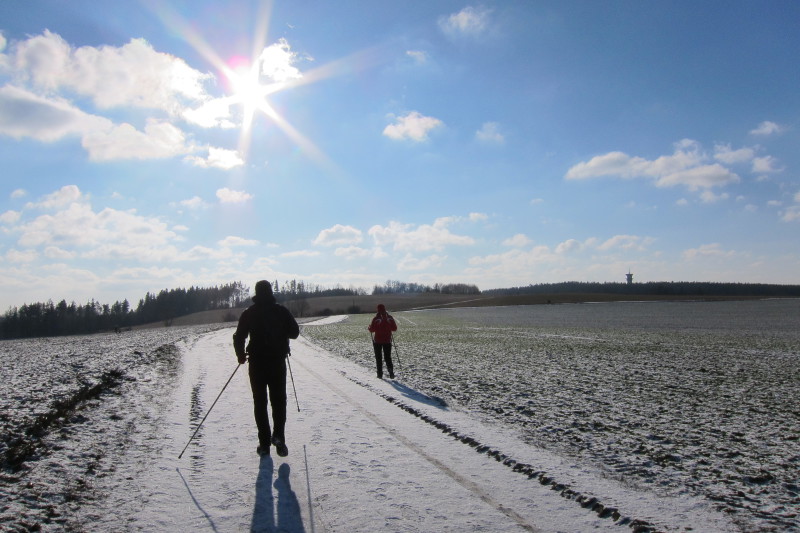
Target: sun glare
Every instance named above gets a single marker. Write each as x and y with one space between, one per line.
246 88
248 91
250 81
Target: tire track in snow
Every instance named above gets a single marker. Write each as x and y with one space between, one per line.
590 503
411 445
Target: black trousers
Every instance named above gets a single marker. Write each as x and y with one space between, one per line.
383 352
269 378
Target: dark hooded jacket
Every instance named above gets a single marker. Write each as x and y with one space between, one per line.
269 326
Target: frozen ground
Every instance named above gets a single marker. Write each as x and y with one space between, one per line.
674 398
366 454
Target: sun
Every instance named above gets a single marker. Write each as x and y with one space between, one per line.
251 80
248 89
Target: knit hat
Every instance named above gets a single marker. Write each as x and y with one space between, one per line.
263 291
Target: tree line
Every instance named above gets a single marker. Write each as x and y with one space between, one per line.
401 287
48 319
660 288
300 289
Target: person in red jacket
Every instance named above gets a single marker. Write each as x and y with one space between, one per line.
381 329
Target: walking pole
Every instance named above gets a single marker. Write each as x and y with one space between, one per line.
209 410
396 352
292 376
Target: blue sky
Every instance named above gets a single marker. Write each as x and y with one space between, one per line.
151 145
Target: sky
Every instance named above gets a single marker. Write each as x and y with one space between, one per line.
153 145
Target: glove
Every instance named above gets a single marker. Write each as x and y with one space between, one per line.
242 358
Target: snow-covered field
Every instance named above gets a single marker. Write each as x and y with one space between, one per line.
618 417
673 398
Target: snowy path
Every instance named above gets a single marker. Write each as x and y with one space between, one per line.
357 462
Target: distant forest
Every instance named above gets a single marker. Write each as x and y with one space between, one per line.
400 287
49 319
659 288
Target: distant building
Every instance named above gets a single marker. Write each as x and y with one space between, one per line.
629 277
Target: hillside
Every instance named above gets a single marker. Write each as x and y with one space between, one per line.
341 305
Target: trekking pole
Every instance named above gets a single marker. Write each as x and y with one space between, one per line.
396 352
209 410
292 376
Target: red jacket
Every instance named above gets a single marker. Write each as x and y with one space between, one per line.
382 326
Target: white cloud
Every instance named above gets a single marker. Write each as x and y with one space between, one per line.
709 197
684 167
767 128
766 164
585 259
301 253
194 202
214 113
478 217
725 154
218 158
490 134
338 235
18 193
277 61
404 237
352 252
626 242
519 240
233 241
569 246
21 256
412 263
413 126
131 75
159 140
791 214
228 196
515 261
54 252
418 56
536 201
10 217
701 177
25 114
470 21
60 198
107 234
707 250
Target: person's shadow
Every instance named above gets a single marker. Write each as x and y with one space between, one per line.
287 519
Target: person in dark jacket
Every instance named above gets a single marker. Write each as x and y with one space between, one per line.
269 326
381 328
